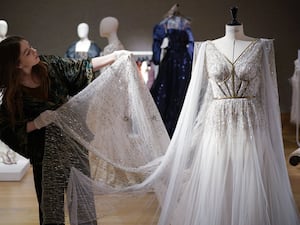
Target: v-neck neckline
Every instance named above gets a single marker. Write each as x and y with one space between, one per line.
242 53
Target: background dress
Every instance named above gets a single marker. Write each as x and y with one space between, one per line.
170 85
94 51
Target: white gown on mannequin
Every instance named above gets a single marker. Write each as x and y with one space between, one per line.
228 140
225 163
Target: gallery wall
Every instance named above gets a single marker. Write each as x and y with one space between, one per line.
51 25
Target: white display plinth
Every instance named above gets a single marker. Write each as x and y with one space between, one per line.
14 172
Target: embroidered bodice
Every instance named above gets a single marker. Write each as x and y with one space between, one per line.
234 79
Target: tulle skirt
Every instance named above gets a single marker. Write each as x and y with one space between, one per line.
235 178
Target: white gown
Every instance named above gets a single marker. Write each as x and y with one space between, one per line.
225 163
228 140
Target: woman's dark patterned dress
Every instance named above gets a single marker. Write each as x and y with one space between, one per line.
45 147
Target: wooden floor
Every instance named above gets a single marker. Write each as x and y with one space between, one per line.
18 204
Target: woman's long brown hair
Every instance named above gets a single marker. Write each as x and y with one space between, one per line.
10 79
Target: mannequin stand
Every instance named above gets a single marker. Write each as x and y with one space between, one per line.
13 171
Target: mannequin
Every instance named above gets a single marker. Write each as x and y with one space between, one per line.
3 29
7 156
84 43
235 41
225 163
84 48
108 28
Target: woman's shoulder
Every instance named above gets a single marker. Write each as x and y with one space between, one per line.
49 58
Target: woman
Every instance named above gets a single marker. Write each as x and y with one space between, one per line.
32 86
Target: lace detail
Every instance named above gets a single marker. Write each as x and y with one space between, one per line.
239 79
112 47
224 165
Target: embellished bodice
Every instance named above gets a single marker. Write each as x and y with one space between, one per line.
178 40
234 79
111 47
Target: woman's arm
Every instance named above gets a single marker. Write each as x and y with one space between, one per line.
101 61
30 126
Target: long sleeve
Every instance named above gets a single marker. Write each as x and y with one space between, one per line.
191 42
68 74
270 100
159 34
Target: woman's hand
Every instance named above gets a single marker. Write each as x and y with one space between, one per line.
44 119
118 54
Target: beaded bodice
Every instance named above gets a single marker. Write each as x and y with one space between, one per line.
234 79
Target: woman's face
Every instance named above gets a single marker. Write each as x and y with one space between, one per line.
28 56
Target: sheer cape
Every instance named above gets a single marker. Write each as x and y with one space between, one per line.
116 120
195 193
295 111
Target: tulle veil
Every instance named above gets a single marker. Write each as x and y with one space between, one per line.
137 174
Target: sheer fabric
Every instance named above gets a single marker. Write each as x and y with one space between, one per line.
116 119
225 164
295 82
110 48
228 140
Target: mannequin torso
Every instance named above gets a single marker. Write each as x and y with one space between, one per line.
108 29
84 47
234 42
3 29
84 43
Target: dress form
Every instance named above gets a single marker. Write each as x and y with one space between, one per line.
83 48
108 28
235 41
3 29
84 43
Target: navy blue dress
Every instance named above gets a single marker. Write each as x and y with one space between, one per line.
93 51
170 85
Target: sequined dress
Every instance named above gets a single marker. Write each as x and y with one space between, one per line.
170 85
229 167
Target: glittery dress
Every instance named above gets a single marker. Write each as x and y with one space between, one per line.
170 85
230 167
225 164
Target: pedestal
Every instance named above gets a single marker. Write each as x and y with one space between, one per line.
14 172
